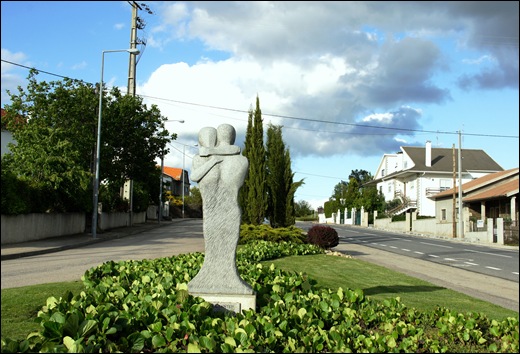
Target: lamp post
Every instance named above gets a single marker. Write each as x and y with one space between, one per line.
183 159
159 217
98 142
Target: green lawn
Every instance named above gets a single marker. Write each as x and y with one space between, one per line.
21 305
380 283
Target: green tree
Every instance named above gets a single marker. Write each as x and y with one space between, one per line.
353 194
243 194
194 199
255 206
55 148
302 208
280 185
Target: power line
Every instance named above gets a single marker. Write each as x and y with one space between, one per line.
296 118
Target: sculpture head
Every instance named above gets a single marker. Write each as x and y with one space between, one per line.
226 134
208 137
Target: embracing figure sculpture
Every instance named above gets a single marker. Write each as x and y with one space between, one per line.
220 171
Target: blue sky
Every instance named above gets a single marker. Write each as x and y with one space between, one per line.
348 81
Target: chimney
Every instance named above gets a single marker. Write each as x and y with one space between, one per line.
428 153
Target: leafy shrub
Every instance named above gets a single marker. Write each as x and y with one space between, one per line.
250 233
400 217
144 306
324 236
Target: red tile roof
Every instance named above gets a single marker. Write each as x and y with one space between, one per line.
503 190
173 172
478 182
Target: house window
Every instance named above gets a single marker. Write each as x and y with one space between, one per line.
389 188
383 172
443 214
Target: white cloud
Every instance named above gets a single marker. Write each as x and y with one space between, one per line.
11 74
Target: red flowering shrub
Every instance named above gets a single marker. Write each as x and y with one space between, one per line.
324 236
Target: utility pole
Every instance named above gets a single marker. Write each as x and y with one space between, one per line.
131 90
461 222
133 44
454 212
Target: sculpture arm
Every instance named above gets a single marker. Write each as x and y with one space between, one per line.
219 150
200 171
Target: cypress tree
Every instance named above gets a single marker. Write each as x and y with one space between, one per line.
256 182
244 191
276 184
281 187
290 217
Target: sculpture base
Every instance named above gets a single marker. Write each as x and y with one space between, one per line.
233 303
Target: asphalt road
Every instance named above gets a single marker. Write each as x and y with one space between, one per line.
71 264
185 237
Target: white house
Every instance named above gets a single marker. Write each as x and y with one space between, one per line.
7 136
414 174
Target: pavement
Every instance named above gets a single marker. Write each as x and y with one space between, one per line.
56 244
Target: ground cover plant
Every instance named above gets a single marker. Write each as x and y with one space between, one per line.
144 306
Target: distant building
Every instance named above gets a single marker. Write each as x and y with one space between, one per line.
172 181
414 174
7 136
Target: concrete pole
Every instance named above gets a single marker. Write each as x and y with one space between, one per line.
461 221
454 212
131 89
159 217
183 159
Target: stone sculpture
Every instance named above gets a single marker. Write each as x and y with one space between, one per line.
220 170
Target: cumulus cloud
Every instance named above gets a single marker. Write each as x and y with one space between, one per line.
335 74
12 77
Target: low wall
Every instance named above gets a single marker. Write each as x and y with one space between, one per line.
432 227
36 226
445 229
107 221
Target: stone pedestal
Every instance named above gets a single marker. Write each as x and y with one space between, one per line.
229 302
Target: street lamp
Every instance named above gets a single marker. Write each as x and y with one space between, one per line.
183 159
159 217
98 142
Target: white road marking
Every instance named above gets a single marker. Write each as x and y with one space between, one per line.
418 252
492 254
405 249
493 268
433 244
434 256
475 264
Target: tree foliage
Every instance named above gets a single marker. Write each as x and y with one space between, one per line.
280 185
54 125
354 194
302 208
254 205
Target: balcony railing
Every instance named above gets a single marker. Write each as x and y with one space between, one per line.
433 191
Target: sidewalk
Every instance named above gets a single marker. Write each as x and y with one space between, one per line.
55 244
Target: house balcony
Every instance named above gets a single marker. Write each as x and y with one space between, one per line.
433 191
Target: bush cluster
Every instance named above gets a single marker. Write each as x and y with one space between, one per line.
250 233
324 236
145 307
